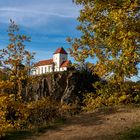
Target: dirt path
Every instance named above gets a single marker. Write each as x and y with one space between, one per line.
99 125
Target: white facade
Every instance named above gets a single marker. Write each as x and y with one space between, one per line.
42 69
55 64
63 69
58 59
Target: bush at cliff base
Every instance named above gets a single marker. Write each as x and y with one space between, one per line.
41 112
16 114
13 113
109 94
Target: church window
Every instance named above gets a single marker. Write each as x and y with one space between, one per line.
55 64
42 70
38 70
45 69
49 68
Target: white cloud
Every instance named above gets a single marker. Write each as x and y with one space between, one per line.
36 13
48 22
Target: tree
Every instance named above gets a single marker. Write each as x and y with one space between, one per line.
110 33
16 59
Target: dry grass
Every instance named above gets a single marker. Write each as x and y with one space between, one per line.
103 124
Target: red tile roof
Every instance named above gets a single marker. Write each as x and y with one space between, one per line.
60 50
45 62
66 63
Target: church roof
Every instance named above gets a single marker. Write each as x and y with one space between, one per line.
65 63
45 62
60 50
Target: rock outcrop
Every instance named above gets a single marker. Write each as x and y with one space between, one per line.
65 87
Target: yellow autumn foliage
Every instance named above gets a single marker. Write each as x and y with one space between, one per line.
17 114
109 94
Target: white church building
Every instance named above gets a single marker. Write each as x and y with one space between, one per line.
59 62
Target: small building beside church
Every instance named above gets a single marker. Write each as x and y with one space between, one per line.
59 62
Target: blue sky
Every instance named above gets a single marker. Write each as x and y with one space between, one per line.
48 22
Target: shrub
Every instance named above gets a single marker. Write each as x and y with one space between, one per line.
42 111
110 94
16 114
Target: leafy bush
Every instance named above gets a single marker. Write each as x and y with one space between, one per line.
42 111
110 94
16 114
4 124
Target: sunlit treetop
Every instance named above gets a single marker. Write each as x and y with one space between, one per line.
111 34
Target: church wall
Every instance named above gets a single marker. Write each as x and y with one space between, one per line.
56 60
42 69
59 59
63 69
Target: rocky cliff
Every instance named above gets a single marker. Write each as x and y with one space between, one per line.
65 87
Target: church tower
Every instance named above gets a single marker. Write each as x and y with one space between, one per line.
59 57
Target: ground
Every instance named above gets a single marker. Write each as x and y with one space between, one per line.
103 124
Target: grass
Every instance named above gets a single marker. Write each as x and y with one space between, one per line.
23 134
17 135
132 134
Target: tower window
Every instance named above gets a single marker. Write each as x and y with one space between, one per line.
55 64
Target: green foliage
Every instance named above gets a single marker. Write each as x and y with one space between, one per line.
26 134
132 134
